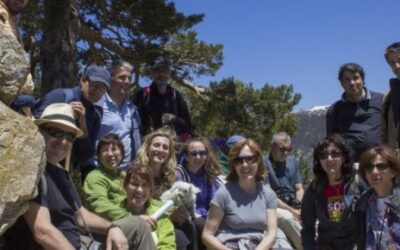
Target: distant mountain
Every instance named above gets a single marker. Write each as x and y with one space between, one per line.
311 130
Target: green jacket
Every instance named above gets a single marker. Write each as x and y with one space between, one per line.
106 197
104 193
165 230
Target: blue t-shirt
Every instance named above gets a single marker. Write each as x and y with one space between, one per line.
243 211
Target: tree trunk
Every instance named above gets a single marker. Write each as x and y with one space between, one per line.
58 48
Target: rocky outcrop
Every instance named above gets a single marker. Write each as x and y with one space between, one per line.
14 67
22 162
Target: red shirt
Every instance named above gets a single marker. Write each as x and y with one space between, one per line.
335 205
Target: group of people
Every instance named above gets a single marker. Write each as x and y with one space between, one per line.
127 153
353 195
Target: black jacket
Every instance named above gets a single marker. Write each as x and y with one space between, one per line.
358 122
152 105
362 207
330 235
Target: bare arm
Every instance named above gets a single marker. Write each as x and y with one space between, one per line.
80 115
94 222
270 234
215 215
49 237
115 238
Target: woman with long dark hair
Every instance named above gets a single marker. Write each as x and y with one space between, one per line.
200 167
330 198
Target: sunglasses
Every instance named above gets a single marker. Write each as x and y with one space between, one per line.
195 153
325 154
248 159
59 134
285 149
380 166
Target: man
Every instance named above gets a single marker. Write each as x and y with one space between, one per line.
55 215
93 85
120 115
357 115
284 178
160 104
390 134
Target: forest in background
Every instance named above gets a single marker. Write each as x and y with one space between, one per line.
65 36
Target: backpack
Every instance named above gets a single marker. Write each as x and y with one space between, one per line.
147 95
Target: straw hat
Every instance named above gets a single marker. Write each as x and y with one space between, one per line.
59 113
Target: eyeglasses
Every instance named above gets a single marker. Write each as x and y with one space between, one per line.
380 166
285 149
325 154
59 134
195 153
248 159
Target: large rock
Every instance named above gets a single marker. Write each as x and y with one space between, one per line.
22 162
14 66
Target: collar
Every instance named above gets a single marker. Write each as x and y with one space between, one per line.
199 173
367 96
53 169
110 172
274 163
110 101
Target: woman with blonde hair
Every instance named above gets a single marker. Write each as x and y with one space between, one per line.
157 152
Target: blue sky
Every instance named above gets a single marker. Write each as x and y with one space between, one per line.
299 42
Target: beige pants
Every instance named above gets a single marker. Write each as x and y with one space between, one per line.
290 226
136 231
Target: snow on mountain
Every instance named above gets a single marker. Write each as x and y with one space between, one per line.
311 130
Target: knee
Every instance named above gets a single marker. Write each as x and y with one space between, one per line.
284 215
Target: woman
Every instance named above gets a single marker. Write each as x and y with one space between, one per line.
378 209
330 198
242 214
138 184
157 152
200 167
112 196
103 189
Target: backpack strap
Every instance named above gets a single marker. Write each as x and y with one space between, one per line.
146 96
44 184
183 172
175 105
